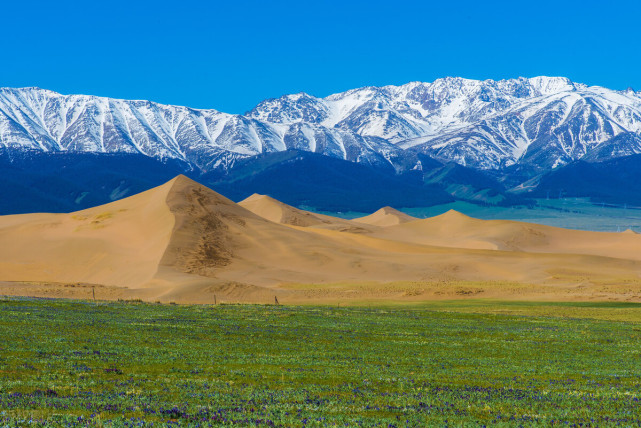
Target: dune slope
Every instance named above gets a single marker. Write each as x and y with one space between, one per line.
278 212
120 243
456 230
386 216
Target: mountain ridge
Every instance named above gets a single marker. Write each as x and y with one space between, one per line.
540 122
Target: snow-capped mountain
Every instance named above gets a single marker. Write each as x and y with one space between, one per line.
541 122
37 119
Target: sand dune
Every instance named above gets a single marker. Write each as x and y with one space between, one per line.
184 242
457 230
386 216
278 212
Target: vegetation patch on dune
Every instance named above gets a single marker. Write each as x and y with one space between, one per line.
69 363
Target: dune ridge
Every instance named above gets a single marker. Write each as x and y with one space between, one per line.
278 212
184 242
386 216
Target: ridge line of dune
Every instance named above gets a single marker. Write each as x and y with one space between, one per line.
385 216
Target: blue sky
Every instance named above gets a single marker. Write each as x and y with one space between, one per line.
230 55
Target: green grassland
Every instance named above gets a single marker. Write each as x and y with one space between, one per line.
473 363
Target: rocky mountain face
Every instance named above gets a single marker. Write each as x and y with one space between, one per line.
539 123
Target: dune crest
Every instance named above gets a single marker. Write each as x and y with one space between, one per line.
278 212
386 216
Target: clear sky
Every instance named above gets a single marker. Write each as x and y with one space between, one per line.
229 55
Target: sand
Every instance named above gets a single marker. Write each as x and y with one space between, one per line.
183 242
386 216
278 212
115 244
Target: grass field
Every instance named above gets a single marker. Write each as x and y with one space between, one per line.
470 363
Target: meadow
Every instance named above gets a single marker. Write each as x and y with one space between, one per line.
475 363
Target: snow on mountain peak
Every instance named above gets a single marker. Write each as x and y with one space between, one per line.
551 85
539 121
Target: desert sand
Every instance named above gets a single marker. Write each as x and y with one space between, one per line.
273 210
386 216
182 242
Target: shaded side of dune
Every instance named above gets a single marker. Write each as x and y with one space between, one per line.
201 240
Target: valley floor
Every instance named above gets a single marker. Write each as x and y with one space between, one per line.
561 287
463 363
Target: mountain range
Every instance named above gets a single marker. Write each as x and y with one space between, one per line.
454 137
541 121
